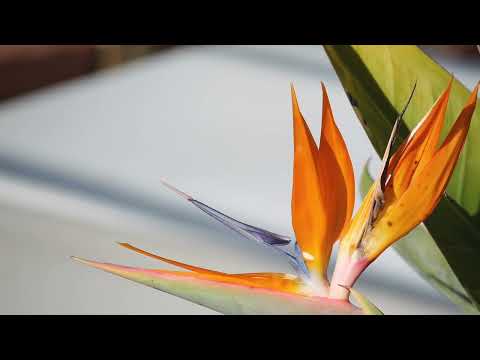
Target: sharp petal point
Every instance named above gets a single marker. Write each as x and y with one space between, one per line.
175 190
80 260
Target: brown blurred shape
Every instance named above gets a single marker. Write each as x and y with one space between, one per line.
460 51
28 67
111 55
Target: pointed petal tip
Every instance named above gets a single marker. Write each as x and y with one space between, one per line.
82 261
326 100
74 258
120 270
175 190
125 245
475 90
87 262
472 100
450 84
293 93
297 114
95 264
292 89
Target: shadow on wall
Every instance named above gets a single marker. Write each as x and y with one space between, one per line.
28 67
459 51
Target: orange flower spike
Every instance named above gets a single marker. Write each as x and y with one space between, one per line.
336 174
323 189
423 172
309 211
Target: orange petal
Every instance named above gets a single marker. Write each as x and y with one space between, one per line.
425 191
373 203
274 281
430 145
169 261
337 181
421 144
309 213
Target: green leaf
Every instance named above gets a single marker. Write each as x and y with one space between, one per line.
378 80
228 298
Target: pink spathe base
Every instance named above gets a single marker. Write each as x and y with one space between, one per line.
346 273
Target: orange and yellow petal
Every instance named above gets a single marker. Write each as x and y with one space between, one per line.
336 176
420 172
274 281
350 241
277 281
323 193
170 261
425 190
421 144
309 212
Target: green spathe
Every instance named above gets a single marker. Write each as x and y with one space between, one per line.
227 298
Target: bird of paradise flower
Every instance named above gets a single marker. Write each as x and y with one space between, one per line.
410 185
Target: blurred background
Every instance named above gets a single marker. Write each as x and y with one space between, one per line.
24 68
87 132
